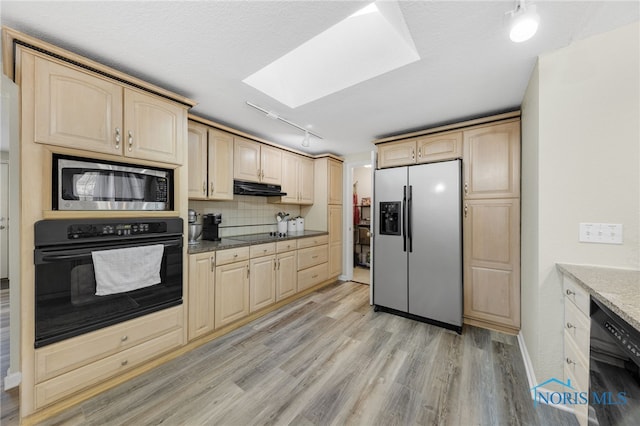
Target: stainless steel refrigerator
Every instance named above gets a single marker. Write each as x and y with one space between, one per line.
417 267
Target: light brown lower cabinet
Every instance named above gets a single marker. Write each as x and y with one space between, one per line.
232 293
202 276
492 263
262 282
286 275
77 363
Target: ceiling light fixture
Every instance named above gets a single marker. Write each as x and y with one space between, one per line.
274 116
524 22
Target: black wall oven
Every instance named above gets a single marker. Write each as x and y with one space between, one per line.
66 303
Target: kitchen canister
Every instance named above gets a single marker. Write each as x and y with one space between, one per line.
300 224
282 227
292 225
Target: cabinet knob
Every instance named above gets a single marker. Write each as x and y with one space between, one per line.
275 265
125 362
235 255
413 154
570 361
204 188
466 188
570 326
419 152
213 264
466 210
314 276
130 140
258 173
570 292
211 188
118 138
124 338
248 271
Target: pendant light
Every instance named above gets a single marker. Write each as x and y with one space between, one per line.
524 22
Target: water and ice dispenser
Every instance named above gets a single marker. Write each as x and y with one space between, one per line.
390 218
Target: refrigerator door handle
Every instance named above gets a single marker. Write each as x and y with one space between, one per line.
404 222
410 218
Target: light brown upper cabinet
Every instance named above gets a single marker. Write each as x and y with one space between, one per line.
423 149
80 110
210 163
255 162
438 147
297 180
335 182
492 161
399 153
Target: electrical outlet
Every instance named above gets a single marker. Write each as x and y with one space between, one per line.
603 233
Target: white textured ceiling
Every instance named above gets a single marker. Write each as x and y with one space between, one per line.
203 50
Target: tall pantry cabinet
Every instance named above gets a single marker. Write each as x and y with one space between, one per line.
326 212
490 152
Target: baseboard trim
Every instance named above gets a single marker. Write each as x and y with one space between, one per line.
531 375
12 380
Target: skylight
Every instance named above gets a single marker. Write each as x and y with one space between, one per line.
369 43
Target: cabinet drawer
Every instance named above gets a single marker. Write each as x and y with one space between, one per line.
312 256
68 383
283 246
578 295
73 353
312 276
313 241
224 257
574 364
578 326
262 250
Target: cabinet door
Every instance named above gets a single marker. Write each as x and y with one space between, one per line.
290 164
397 154
77 110
286 275
305 180
335 182
201 294
220 165
262 292
197 161
335 224
445 146
271 163
154 127
232 293
492 261
492 161
246 160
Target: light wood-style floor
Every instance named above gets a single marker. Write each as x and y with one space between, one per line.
330 359
361 275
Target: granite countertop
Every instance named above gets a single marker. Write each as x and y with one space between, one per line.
618 289
246 240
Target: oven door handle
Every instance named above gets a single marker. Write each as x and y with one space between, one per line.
73 255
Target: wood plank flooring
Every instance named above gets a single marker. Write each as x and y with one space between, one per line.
326 359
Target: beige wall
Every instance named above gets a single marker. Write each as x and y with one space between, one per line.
581 126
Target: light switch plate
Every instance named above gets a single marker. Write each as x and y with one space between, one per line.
603 233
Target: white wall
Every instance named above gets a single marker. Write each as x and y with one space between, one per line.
584 167
362 175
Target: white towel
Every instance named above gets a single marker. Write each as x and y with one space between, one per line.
122 270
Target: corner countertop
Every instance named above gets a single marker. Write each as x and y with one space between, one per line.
618 289
246 240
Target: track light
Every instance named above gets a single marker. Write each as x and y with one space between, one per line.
524 22
272 115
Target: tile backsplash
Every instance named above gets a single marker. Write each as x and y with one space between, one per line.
245 214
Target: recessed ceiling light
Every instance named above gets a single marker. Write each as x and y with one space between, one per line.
368 43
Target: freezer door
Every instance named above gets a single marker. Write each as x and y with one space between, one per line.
435 257
390 256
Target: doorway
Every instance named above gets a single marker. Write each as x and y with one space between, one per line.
362 196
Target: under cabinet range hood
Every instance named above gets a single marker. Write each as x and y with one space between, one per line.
259 189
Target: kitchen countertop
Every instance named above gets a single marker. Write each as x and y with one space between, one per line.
618 289
246 240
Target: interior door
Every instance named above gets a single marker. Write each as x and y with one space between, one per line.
4 220
390 263
435 249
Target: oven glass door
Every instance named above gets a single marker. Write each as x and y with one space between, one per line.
66 303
